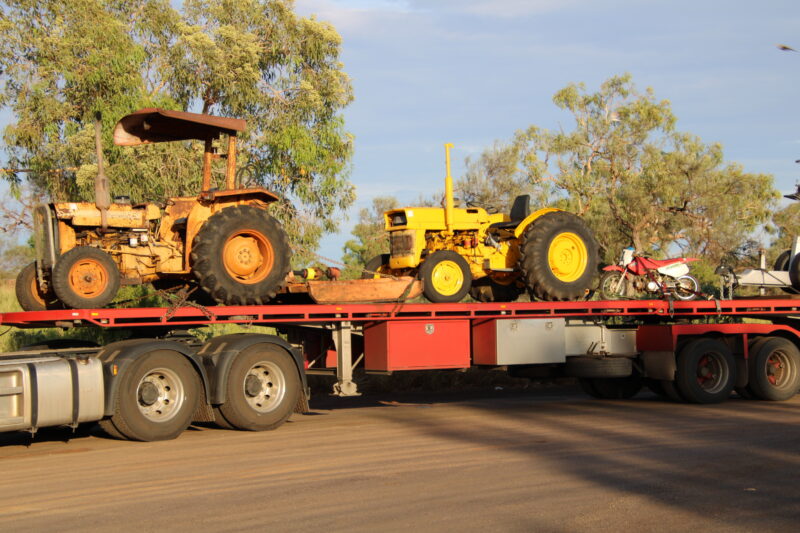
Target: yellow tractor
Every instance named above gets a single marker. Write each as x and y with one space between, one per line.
493 257
223 241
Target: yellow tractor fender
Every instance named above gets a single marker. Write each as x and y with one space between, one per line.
520 229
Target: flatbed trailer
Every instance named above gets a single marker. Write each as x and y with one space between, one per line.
152 385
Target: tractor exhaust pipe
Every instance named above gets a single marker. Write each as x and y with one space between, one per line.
102 195
448 191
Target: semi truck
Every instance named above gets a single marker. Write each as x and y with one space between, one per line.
158 381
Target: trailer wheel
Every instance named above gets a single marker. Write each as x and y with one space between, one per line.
157 397
85 278
754 345
671 391
612 388
656 387
706 371
445 277
775 370
262 389
241 256
558 257
594 367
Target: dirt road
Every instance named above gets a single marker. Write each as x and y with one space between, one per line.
509 461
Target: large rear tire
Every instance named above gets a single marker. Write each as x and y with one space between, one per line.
241 256
706 371
262 389
156 399
775 370
376 266
558 257
445 277
85 278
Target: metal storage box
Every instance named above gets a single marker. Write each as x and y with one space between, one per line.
416 344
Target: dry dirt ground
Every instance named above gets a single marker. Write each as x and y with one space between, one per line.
549 460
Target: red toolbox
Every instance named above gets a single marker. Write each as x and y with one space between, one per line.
416 344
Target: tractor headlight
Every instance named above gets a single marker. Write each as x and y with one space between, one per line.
399 219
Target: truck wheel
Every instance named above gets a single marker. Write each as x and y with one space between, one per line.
706 371
377 265
558 257
656 387
85 278
782 264
594 367
241 256
262 388
611 288
29 296
445 277
775 370
157 397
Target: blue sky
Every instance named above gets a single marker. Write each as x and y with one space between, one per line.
474 71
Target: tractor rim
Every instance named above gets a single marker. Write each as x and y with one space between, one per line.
447 278
712 372
35 293
88 278
779 369
248 256
568 257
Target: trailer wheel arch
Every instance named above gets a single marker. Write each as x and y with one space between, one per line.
219 353
118 356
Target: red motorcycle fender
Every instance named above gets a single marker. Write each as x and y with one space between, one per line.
613 267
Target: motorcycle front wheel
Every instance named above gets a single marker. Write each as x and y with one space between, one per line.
686 288
614 285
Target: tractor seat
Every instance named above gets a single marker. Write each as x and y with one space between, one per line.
520 210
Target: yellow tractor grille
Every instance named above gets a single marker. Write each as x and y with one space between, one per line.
402 243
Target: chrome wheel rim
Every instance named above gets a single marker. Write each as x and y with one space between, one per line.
264 386
160 395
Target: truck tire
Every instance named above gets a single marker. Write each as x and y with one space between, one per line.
241 256
594 367
706 371
445 277
782 264
774 370
29 296
558 257
262 389
85 278
157 397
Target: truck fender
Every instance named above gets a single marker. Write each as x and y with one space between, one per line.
219 353
527 221
118 356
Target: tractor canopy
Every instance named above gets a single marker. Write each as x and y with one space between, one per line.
153 125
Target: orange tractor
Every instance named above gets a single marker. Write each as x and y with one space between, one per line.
223 241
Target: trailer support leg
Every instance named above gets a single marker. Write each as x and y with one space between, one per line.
344 386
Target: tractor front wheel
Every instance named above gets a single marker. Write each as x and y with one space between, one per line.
29 295
558 257
445 277
241 256
85 278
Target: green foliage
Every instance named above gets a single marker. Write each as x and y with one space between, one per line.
371 239
256 59
634 178
493 180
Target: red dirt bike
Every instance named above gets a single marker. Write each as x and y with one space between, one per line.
636 274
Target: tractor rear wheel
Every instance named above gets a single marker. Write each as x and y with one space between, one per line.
445 277
29 295
241 256
558 257
85 278
376 266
